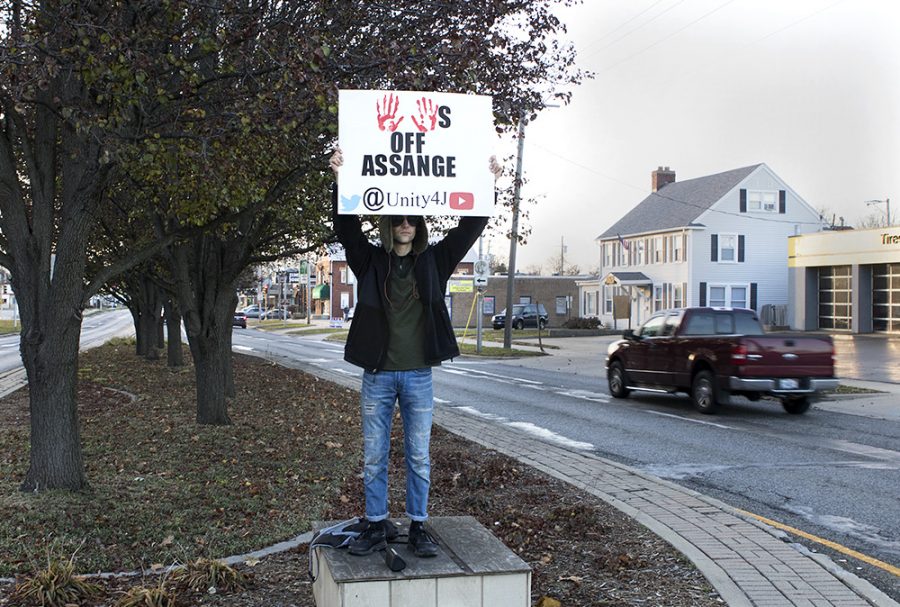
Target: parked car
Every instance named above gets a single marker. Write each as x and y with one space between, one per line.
275 314
713 353
239 320
524 315
251 311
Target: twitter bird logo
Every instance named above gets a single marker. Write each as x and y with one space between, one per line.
348 204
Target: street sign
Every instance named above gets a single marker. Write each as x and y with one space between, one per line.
481 281
457 285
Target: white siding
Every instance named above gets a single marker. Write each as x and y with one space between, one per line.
766 240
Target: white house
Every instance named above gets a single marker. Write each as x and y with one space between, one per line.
719 240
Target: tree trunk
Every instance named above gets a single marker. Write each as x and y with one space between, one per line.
211 364
174 356
52 367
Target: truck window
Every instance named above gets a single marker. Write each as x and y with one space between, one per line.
653 327
747 324
700 323
724 323
671 324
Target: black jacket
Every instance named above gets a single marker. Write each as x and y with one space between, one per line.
368 338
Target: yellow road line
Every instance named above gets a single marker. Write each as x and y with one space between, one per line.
833 545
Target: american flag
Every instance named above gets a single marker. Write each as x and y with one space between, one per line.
625 244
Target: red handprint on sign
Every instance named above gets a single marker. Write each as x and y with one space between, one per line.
387 113
427 115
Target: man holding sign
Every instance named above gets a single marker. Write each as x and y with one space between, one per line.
401 327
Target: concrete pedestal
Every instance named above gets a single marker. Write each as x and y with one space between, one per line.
472 569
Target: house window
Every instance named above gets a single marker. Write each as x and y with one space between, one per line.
525 299
639 248
657 249
562 306
607 300
657 298
728 248
734 296
670 248
677 296
343 278
762 202
607 254
676 247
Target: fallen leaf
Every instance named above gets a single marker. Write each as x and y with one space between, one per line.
572 578
547 601
168 541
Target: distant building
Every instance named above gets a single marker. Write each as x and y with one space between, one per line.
718 240
845 281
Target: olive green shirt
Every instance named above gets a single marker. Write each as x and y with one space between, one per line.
405 317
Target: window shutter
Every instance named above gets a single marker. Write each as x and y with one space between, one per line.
714 247
782 201
702 294
743 201
752 295
741 248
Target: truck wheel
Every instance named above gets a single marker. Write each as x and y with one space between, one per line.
615 377
795 406
520 324
703 392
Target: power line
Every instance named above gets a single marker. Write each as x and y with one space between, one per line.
628 33
682 202
661 40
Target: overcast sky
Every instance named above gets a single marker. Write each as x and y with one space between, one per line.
809 87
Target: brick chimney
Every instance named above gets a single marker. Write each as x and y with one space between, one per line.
662 177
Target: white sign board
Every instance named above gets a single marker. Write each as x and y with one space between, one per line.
415 153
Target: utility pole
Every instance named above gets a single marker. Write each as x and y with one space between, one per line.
562 255
887 206
514 237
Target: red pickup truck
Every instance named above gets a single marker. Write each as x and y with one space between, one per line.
712 353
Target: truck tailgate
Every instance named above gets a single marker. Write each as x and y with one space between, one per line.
775 355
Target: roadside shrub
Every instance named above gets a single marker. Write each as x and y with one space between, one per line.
204 574
55 586
582 323
142 596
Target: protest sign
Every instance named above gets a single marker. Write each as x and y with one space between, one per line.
415 153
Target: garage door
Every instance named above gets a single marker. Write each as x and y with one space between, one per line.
834 297
886 297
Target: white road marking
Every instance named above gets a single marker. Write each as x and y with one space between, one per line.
441 400
694 421
550 435
519 379
477 413
867 450
344 371
596 397
244 348
313 360
454 372
10 346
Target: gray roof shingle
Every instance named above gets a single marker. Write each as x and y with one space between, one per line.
677 204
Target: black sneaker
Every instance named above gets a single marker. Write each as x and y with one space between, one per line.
390 529
420 541
370 540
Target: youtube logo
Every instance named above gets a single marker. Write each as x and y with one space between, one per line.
462 201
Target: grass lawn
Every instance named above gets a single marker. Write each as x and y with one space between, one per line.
7 327
164 489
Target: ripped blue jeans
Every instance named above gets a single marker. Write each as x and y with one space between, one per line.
414 392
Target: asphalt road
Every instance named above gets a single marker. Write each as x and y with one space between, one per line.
834 475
